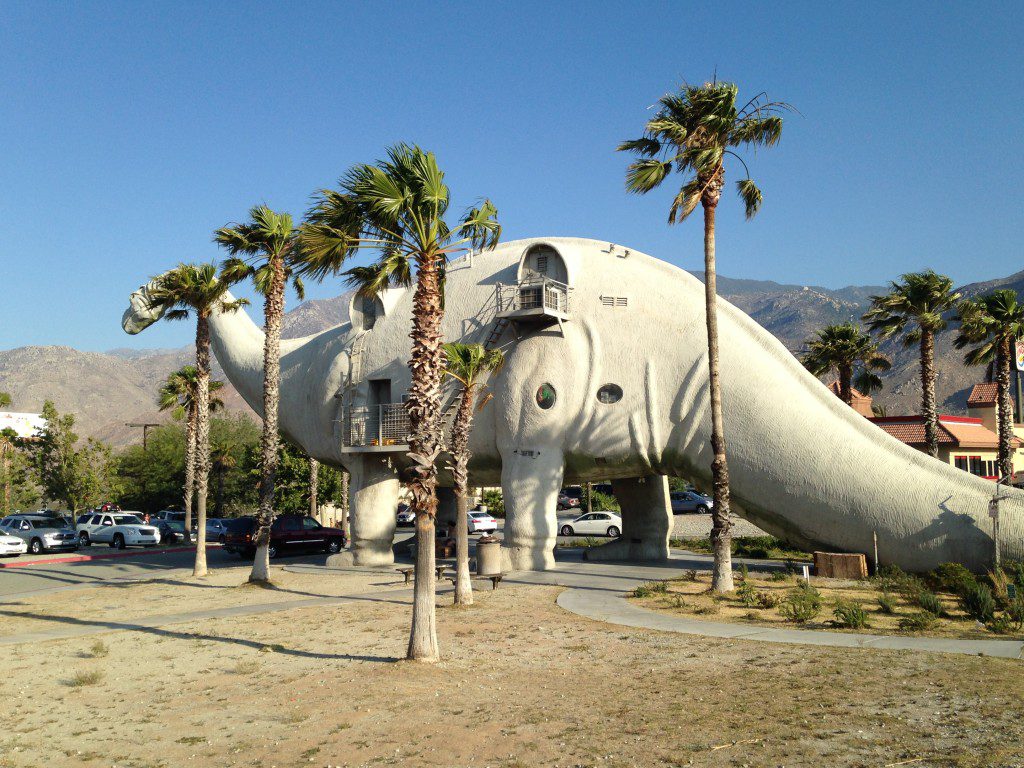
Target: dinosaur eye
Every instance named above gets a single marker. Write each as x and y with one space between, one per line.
609 393
545 396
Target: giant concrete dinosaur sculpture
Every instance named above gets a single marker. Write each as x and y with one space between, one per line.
581 315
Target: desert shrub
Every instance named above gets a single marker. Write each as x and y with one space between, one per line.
651 588
951 577
768 600
1016 570
917 622
1000 587
690 575
891 578
978 603
643 590
930 602
887 603
707 609
1000 625
746 592
604 502
850 614
802 604
1015 612
780 576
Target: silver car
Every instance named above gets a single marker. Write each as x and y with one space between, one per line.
690 501
42 533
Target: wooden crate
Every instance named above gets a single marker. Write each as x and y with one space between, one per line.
840 566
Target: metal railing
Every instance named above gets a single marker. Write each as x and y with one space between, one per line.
382 425
535 292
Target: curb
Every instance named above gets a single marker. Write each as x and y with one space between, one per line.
110 556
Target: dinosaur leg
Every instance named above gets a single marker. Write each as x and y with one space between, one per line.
373 498
530 485
646 521
446 508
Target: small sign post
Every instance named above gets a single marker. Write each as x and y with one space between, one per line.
993 512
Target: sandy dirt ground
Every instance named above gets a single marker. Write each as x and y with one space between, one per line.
521 683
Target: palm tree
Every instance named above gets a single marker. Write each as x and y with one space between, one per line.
916 307
181 392
196 288
993 322
314 478
842 349
397 208
469 365
222 460
692 133
268 243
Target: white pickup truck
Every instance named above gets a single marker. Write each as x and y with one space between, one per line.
118 529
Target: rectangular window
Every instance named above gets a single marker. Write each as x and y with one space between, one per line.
960 462
977 466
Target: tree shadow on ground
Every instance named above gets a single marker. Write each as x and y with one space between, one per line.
116 626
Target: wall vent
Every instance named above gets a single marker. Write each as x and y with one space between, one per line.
542 264
615 301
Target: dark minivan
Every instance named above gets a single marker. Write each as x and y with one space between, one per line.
290 534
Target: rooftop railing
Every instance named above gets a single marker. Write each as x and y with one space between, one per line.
376 425
534 293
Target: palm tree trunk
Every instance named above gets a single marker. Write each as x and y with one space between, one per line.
5 451
273 311
314 476
423 407
931 419
460 474
846 384
1004 360
721 525
190 463
344 503
202 449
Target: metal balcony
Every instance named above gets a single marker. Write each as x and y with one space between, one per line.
375 428
536 298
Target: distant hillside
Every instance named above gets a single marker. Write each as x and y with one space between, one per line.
105 390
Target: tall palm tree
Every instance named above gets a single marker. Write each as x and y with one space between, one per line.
397 207
915 307
222 461
469 365
993 322
842 350
181 392
314 478
692 133
265 250
197 288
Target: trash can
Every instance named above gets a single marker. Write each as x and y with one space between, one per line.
488 556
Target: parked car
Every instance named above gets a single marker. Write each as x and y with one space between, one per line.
482 522
216 529
593 524
41 533
119 530
12 546
173 531
570 498
406 516
690 501
169 514
289 534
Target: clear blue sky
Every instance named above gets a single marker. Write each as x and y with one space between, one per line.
130 131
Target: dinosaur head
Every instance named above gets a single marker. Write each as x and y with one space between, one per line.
142 311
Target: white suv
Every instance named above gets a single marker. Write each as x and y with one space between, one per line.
119 529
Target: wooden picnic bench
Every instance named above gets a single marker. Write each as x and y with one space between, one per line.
493 577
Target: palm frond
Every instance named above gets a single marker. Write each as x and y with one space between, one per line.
750 195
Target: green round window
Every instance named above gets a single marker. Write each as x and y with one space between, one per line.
545 396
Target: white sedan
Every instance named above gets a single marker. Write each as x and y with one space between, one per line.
482 522
593 524
119 529
12 546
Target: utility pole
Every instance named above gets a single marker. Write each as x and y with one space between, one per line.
145 430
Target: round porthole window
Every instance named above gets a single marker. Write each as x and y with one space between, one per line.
609 393
545 396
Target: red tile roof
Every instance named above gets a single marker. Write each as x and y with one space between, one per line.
912 433
982 395
960 431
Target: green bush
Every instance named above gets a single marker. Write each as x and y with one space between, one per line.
651 588
1015 568
1000 625
494 502
802 605
768 600
978 603
887 603
930 602
891 578
850 614
1015 612
917 622
603 502
951 577
780 576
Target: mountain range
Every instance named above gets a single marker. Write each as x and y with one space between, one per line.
109 390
